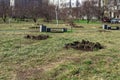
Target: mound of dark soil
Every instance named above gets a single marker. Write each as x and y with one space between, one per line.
74 25
39 37
84 45
78 26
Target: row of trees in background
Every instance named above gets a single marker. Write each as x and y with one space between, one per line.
34 12
88 9
30 11
5 11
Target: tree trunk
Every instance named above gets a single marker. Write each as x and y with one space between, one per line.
35 20
88 19
4 18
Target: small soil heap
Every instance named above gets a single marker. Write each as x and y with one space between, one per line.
74 25
39 37
84 45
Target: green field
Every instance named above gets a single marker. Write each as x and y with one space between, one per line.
25 59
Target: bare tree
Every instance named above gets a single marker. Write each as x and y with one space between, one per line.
47 12
19 12
64 14
90 10
4 11
76 11
33 11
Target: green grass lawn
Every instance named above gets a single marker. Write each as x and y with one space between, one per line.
24 59
85 21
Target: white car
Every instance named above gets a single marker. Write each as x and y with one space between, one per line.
115 20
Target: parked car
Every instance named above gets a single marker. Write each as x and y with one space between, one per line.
114 20
106 19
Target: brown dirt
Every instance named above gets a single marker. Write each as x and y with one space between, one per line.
74 25
84 45
39 37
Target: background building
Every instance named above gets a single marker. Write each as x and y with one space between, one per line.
24 3
114 8
12 3
65 3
